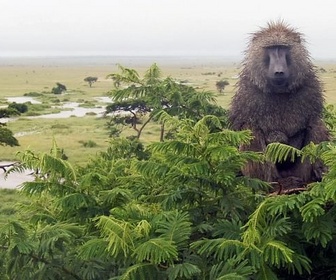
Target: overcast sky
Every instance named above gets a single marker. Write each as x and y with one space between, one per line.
156 27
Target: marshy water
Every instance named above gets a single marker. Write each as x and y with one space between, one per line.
68 109
72 109
23 99
14 180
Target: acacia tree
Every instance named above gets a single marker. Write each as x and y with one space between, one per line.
137 109
135 97
59 89
220 85
144 97
90 80
6 135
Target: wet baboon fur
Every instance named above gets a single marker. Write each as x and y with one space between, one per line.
292 115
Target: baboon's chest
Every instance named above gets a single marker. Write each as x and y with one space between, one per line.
279 117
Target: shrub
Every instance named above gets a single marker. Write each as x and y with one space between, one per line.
88 144
20 107
33 94
59 89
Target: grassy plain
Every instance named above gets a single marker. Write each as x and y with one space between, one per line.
10 205
28 75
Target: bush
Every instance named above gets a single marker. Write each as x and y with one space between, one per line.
91 114
6 113
59 126
59 89
88 144
20 107
40 109
220 85
91 80
33 94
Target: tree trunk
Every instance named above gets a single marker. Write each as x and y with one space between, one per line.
162 132
143 126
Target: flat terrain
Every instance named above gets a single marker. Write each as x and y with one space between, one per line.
21 76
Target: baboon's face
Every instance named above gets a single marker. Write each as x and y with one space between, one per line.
277 62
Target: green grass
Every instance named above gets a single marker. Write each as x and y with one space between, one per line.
18 80
38 135
10 201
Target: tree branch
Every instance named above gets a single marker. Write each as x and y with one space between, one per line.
43 260
4 166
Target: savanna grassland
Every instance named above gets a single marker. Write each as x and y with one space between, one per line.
40 76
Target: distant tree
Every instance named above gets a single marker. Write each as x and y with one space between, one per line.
8 112
91 80
59 89
136 108
221 85
7 137
20 107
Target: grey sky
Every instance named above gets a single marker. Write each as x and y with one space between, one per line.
156 27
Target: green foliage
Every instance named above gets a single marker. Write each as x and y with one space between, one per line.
183 271
329 116
10 203
138 100
33 94
9 112
220 85
284 233
59 89
177 209
131 213
90 80
40 109
7 137
88 144
20 107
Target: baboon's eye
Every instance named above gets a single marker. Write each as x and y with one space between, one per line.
267 59
285 50
288 58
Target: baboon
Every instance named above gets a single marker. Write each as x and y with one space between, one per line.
279 98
